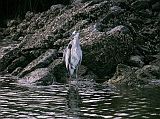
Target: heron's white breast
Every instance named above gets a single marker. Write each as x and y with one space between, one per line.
75 57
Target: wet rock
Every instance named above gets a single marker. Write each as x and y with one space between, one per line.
103 51
155 62
15 36
58 69
136 61
6 48
116 10
6 80
6 59
132 76
82 1
125 75
20 38
41 62
53 8
145 13
29 15
154 83
118 29
40 76
23 26
21 61
149 72
140 4
85 73
12 23
156 6
17 71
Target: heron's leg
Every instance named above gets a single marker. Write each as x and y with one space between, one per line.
77 72
69 78
69 81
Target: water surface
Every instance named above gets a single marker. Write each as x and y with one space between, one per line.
83 102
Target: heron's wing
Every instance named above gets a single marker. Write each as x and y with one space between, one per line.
66 50
80 55
64 54
76 57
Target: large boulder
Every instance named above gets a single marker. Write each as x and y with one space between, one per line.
103 51
133 76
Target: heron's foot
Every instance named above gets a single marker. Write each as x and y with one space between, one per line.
74 82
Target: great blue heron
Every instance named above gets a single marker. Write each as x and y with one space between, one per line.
73 55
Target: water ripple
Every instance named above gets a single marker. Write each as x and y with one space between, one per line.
60 101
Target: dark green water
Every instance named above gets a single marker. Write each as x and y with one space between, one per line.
83 102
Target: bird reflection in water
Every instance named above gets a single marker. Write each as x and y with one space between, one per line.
73 102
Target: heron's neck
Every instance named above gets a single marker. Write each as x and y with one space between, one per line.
76 40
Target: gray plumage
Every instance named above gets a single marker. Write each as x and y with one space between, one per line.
73 55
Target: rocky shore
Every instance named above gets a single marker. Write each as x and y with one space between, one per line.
120 40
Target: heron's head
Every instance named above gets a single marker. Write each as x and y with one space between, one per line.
74 33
